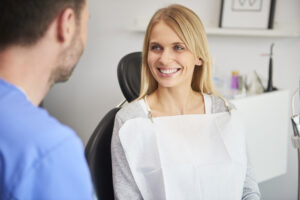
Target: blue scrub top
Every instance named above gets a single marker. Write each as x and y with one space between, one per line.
40 158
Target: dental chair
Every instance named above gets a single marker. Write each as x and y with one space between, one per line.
97 151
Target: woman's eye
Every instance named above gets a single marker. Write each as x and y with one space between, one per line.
178 47
155 47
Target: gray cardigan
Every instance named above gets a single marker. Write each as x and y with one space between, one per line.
124 184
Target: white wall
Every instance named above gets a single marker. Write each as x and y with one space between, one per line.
93 89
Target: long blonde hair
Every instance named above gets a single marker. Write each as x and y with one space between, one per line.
189 28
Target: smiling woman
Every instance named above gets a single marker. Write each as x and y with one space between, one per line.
170 62
184 27
179 140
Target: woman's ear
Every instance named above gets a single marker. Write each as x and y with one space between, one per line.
199 62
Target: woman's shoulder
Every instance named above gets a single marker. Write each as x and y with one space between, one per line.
220 104
131 110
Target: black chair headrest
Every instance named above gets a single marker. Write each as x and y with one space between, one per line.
129 75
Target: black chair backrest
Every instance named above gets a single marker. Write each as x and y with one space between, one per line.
129 75
98 155
97 151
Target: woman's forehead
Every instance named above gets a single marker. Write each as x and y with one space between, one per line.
163 33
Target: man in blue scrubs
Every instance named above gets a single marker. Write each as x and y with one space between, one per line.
40 43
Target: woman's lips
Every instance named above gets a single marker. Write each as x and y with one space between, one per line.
168 72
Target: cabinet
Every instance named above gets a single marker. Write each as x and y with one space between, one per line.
266 119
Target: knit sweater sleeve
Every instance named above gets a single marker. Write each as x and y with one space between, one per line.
123 181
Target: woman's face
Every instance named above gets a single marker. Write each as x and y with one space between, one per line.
169 60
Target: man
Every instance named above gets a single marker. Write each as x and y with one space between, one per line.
40 43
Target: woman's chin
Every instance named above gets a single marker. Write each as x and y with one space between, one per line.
167 84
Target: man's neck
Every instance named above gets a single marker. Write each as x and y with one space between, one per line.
25 68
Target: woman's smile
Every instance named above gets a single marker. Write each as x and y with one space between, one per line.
168 72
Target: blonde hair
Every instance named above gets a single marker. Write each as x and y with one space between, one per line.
189 28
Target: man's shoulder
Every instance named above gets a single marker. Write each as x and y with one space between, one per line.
56 163
32 142
24 124
31 131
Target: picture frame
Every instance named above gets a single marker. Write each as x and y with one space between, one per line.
247 14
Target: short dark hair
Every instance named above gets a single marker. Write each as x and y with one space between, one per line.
24 22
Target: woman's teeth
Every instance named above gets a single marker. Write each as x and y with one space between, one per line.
168 71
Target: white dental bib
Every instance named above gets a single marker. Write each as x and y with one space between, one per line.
187 157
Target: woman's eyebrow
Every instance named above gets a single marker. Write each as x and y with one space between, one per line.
174 43
178 43
154 42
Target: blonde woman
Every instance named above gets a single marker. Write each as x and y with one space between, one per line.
179 140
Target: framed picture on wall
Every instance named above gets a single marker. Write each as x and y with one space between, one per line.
247 14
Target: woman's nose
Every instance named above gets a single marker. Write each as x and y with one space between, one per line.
165 57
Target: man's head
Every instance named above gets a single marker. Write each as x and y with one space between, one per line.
72 50
26 22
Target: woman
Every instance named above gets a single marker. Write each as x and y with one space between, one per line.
179 139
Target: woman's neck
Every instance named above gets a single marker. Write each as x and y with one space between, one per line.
175 101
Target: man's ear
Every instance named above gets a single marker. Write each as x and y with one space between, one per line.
66 26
